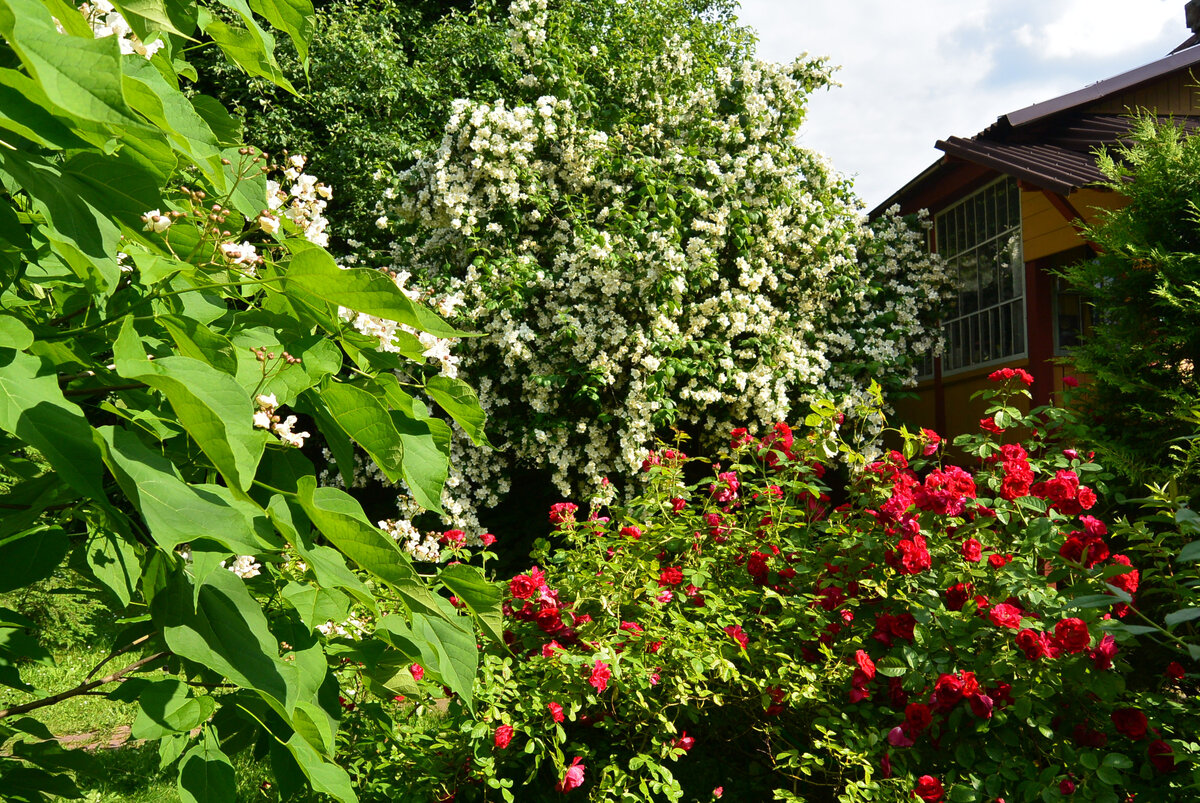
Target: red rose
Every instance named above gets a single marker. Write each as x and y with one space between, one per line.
522 586
504 735
957 596
417 671
947 692
1072 635
1174 671
915 556
736 633
1104 652
563 513
1130 722
671 576
556 711
631 532
999 561
929 789
981 705
573 777
600 675
1161 756
917 717
1005 615
865 663
972 550
988 424
1067 786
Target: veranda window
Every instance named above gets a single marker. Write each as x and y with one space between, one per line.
980 239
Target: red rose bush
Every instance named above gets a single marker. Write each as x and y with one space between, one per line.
812 623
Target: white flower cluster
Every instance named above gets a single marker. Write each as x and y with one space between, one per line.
105 20
265 418
244 566
303 202
352 628
688 265
421 547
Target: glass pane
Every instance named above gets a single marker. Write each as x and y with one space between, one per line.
1018 324
1005 340
988 291
968 284
1014 203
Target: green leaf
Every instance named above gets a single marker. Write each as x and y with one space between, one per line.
214 409
226 127
316 606
324 777
1185 615
314 277
481 597
1118 761
25 110
227 632
251 48
368 423
81 234
426 458
114 562
293 17
205 774
339 517
14 334
177 512
250 192
79 75
165 106
165 707
197 341
33 409
458 399
1190 552
30 556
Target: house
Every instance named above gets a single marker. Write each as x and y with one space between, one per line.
1005 205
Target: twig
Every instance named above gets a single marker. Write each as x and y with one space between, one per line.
115 653
80 689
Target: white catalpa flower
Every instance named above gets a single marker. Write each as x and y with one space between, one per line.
156 221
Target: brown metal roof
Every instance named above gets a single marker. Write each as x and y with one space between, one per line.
1057 155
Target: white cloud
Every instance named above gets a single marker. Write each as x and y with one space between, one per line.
1092 28
916 72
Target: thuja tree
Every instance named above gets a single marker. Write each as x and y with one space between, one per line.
1144 347
165 302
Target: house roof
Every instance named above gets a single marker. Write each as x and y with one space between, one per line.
1050 144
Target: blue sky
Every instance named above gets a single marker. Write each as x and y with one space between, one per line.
917 71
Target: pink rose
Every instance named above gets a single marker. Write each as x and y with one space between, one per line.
573 777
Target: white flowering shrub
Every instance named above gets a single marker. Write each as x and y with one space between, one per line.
675 262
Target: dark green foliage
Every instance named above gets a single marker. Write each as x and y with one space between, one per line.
382 75
1145 286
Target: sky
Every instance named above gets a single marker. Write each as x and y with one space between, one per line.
916 71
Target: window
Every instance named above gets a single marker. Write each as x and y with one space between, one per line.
980 239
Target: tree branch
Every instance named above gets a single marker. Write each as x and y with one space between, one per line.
82 688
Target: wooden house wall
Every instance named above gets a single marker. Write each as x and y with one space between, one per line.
1173 94
1044 229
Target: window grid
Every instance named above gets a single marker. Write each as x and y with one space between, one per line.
980 239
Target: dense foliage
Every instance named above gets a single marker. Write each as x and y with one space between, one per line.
928 632
1144 347
165 300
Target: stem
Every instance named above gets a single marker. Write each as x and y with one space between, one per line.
82 688
115 653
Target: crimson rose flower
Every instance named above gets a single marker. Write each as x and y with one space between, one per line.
522 586
504 735
556 711
736 633
1005 615
929 789
947 692
671 576
573 778
1072 635
917 717
1161 756
972 550
1130 721
600 675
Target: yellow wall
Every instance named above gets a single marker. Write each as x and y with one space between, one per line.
1044 229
